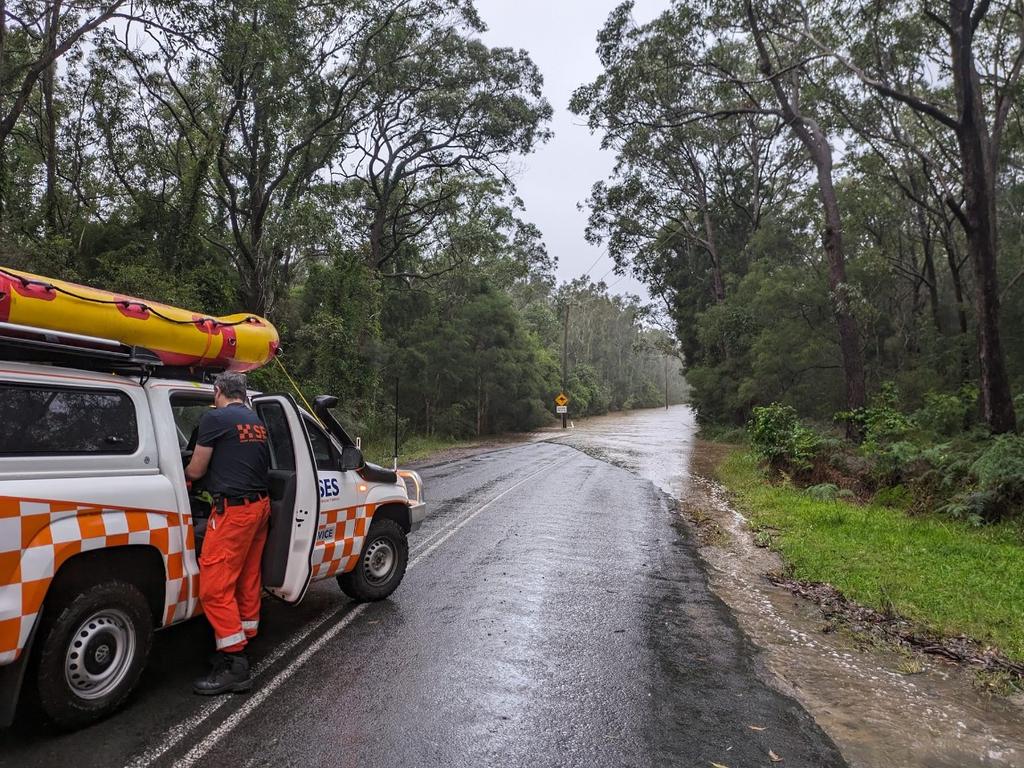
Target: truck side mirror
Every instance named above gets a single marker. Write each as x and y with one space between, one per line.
351 458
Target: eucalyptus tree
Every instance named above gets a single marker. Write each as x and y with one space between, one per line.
34 36
957 65
252 102
677 185
446 108
731 59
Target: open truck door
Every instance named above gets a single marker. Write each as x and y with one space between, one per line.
294 499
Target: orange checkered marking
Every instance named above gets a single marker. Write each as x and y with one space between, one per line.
37 536
340 537
248 433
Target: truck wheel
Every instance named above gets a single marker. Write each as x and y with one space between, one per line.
381 564
94 647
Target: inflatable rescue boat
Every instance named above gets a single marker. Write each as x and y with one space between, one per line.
176 336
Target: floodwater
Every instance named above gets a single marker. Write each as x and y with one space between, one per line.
883 708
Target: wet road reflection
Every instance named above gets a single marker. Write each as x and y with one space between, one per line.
882 708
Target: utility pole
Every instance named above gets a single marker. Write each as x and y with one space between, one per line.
565 361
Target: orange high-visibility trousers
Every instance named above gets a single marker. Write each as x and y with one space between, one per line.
229 572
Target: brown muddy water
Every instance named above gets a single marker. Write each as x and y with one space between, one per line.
882 707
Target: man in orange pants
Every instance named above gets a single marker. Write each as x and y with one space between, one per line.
231 453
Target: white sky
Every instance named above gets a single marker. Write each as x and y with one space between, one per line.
560 36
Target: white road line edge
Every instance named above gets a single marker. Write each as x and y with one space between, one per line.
178 732
182 729
427 541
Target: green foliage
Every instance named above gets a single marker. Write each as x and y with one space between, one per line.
999 472
734 246
942 414
896 496
893 461
881 422
947 576
1001 466
342 168
778 437
975 508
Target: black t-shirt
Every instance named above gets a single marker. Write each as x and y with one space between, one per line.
241 458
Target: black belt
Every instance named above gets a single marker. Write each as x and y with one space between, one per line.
234 501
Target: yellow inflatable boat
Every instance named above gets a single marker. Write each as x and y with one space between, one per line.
177 336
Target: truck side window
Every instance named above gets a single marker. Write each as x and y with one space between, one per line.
323 449
40 421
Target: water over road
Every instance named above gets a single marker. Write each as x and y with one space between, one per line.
555 613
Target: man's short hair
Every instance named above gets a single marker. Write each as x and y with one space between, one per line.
231 385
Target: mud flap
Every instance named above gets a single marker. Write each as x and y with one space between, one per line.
11 678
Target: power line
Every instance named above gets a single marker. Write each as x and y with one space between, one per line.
610 270
599 257
609 287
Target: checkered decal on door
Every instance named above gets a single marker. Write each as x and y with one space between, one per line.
340 537
38 536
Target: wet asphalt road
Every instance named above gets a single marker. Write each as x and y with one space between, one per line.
554 614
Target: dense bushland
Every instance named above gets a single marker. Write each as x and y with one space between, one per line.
931 459
343 167
831 215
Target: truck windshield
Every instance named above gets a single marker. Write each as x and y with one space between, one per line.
187 410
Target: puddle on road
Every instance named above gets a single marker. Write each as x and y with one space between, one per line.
878 715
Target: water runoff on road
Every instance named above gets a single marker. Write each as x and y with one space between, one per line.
881 707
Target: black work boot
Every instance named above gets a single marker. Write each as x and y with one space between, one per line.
230 674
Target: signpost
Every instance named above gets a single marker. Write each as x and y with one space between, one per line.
562 407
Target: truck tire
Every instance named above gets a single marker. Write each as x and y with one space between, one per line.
92 651
381 565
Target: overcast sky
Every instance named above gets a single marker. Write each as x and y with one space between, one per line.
560 36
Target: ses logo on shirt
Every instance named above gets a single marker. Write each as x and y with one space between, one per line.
251 433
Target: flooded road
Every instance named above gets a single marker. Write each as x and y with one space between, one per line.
882 708
555 612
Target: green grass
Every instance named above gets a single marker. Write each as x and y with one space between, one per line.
413 448
944 576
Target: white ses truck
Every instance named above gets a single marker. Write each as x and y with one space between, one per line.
98 543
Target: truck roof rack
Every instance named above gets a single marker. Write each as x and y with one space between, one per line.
72 350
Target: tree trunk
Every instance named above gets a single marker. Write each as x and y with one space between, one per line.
377 240
849 334
717 283
978 167
49 137
953 262
928 246
814 141
479 404
3 139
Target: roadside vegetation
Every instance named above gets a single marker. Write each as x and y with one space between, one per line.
923 519
946 576
344 168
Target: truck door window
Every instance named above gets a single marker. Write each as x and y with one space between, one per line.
323 449
279 436
40 421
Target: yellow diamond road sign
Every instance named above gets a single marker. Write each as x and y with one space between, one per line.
561 399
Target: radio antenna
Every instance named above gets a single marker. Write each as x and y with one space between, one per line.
396 424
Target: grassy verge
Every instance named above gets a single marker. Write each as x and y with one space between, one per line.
413 448
947 577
